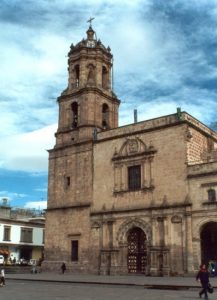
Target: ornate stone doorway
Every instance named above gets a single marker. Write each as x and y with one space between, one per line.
208 237
137 251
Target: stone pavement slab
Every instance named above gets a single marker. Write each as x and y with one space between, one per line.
136 280
35 290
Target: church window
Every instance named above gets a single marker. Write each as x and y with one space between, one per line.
134 178
133 167
105 116
74 250
104 78
211 195
74 108
77 75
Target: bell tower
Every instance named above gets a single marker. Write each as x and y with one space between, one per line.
88 104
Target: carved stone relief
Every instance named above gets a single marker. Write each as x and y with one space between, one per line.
130 223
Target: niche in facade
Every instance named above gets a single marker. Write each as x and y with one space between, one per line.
91 80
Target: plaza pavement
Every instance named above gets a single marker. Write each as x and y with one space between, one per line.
173 283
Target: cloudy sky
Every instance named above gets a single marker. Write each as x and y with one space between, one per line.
165 56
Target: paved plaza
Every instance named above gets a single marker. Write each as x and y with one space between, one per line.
34 290
55 286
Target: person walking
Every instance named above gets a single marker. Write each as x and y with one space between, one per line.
2 277
63 267
203 277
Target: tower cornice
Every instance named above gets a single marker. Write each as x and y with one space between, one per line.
87 90
81 49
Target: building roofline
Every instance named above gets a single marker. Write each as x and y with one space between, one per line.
155 124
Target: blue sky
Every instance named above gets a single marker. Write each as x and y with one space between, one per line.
165 56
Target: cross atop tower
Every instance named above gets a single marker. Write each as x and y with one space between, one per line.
90 20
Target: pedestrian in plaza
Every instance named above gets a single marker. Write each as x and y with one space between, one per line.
203 277
211 268
2 277
215 267
63 267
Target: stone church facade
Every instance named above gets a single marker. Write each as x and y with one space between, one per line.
139 198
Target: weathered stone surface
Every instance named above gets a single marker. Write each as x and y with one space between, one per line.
89 199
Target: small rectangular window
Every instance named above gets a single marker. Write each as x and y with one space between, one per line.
211 195
74 253
134 178
7 233
67 181
26 235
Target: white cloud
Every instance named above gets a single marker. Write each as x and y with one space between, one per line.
10 195
152 54
27 151
36 205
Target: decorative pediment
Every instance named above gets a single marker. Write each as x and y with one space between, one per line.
133 147
95 225
176 219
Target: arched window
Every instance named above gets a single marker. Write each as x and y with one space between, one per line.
74 107
77 75
105 116
211 195
104 78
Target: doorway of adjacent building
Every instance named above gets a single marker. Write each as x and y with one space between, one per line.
137 251
25 253
208 237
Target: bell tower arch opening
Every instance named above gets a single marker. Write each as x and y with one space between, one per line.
104 78
208 237
77 75
74 107
105 116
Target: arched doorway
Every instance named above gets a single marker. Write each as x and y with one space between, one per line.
208 237
137 251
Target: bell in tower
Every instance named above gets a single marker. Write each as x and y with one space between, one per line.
88 103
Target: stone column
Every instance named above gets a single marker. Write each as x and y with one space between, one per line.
110 233
150 181
116 185
189 246
123 258
145 173
142 174
161 231
121 177
196 253
99 74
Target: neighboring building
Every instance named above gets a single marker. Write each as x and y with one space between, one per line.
139 198
21 234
